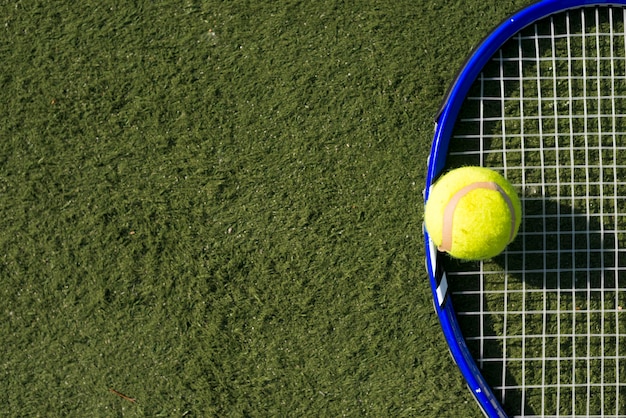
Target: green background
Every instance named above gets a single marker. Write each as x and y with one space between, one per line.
215 207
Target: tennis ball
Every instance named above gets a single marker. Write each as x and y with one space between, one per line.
472 213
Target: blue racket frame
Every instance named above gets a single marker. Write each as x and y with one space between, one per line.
444 125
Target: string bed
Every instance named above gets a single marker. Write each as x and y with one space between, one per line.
546 319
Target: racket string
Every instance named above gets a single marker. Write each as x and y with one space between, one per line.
550 113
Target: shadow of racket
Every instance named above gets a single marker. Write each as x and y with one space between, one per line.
542 319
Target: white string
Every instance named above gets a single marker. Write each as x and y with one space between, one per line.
543 182
602 206
523 333
572 159
503 132
555 104
615 201
481 300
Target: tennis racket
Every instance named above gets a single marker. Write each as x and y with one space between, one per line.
540 330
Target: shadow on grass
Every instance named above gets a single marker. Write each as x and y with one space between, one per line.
554 294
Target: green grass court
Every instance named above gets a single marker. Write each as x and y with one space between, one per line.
215 208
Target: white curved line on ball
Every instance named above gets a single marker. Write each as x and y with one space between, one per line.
448 214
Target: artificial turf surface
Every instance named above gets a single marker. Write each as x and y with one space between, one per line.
214 208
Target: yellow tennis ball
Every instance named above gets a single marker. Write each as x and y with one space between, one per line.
472 213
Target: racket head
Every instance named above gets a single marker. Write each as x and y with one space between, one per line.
444 126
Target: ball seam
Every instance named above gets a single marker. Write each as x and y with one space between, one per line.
448 215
